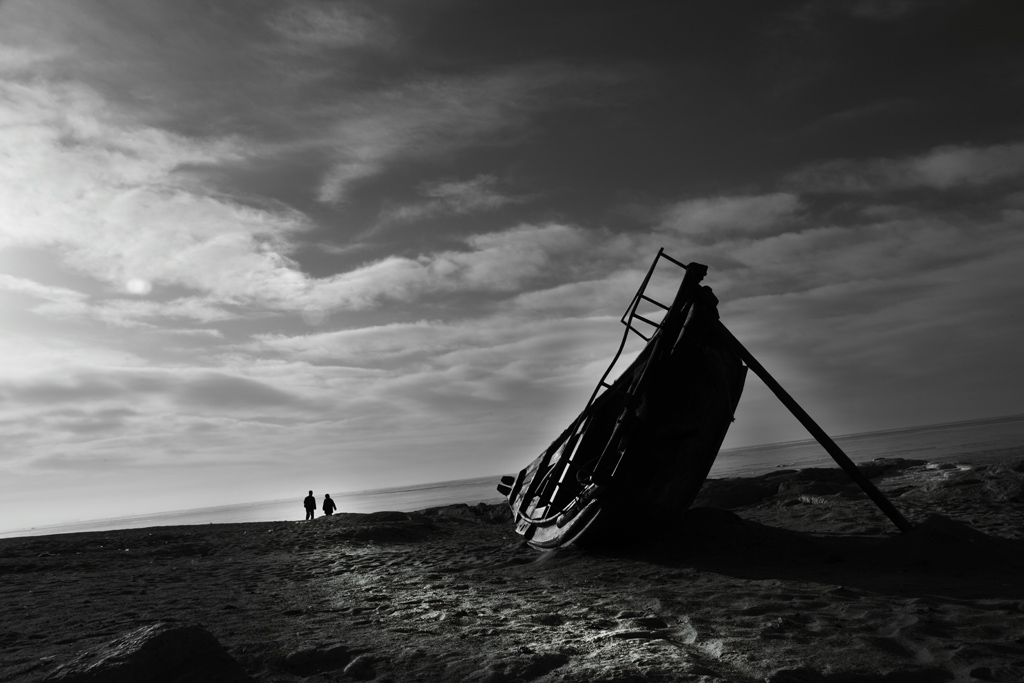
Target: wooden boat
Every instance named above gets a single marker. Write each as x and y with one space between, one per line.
644 443
636 456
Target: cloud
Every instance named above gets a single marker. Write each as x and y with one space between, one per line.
57 295
452 197
150 392
65 303
108 196
493 262
220 391
729 216
316 26
439 116
18 60
368 346
942 168
134 313
91 422
419 374
409 344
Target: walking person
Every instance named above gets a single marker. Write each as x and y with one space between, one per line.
329 506
310 504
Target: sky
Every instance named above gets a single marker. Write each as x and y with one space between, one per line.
249 248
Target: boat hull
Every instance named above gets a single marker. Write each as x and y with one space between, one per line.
633 461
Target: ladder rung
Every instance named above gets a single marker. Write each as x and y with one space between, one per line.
649 322
656 303
639 333
678 263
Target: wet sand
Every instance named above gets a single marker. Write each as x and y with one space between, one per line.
790 577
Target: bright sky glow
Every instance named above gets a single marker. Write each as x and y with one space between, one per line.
249 248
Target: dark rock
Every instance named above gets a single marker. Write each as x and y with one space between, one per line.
388 516
495 514
161 653
481 512
883 467
1004 483
778 475
813 489
831 475
457 510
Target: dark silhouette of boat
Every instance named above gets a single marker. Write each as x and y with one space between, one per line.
636 456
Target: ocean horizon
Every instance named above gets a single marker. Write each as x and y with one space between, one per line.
983 439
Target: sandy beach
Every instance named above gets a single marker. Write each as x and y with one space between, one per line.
790 577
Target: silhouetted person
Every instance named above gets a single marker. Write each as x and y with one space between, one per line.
329 506
310 505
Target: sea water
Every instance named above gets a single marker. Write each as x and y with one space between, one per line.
981 440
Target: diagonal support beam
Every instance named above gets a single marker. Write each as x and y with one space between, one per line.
817 432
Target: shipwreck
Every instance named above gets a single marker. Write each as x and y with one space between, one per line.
638 453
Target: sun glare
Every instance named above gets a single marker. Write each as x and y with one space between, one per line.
139 286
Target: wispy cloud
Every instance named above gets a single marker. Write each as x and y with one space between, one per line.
452 197
408 345
492 262
316 26
138 313
15 60
438 116
942 168
58 295
730 216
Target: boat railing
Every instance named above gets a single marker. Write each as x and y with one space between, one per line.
571 437
629 317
